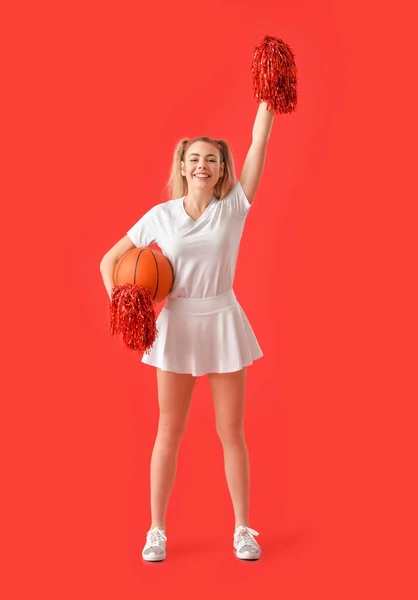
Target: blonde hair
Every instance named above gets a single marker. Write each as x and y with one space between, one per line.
177 184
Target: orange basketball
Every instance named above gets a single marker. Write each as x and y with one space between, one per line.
146 267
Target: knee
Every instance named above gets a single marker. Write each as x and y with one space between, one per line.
231 433
170 433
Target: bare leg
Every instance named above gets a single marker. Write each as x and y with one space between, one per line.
228 391
174 397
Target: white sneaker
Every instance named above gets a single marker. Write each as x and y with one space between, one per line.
154 548
244 543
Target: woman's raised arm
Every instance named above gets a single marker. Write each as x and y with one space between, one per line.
254 162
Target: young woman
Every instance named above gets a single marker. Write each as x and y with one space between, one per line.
202 328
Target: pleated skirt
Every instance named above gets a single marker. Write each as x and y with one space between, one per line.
203 335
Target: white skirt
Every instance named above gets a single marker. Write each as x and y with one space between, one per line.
203 335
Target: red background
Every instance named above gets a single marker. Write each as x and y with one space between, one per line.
96 96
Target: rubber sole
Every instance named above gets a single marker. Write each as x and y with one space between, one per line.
154 559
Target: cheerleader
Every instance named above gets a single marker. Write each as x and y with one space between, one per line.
202 328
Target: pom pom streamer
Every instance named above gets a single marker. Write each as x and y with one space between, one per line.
132 314
275 75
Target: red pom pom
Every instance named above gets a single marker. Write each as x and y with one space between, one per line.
132 314
275 75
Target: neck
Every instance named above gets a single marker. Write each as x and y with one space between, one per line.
199 199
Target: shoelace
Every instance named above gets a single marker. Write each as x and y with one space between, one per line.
155 537
244 537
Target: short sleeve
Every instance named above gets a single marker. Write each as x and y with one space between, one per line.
143 233
237 200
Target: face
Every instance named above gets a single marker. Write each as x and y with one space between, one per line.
202 158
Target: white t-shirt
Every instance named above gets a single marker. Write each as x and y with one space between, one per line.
203 253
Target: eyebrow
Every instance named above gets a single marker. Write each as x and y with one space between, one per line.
196 154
